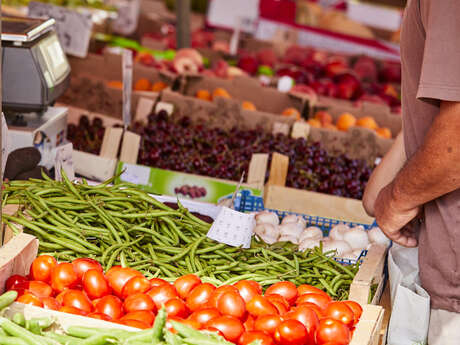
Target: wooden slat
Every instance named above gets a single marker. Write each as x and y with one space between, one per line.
111 142
300 130
130 147
144 109
94 167
257 169
280 127
367 330
278 169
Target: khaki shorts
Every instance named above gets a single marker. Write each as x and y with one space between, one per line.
444 328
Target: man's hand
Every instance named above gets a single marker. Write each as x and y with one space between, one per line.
394 220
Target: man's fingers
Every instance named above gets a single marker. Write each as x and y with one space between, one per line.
404 240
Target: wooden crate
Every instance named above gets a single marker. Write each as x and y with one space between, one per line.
367 330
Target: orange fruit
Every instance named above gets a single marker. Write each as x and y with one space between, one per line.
159 86
345 121
324 117
204 95
291 112
383 132
330 126
314 123
220 92
248 105
142 85
367 122
116 84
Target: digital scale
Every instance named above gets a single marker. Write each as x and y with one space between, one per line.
35 72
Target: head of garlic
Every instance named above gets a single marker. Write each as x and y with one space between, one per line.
312 232
266 217
378 237
341 247
268 233
357 238
294 219
308 243
291 229
287 238
338 231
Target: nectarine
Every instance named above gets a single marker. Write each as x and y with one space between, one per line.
204 95
159 86
220 92
384 132
142 84
367 122
116 84
345 121
291 112
248 105
314 123
324 117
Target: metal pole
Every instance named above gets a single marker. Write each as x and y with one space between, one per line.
183 23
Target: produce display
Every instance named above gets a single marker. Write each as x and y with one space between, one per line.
197 149
349 243
142 84
96 4
240 312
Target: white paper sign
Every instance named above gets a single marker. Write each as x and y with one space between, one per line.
127 85
64 161
224 13
233 228
168 107
73 28
136 174
4 143
128 16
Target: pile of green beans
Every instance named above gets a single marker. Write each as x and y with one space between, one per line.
123 225
40 331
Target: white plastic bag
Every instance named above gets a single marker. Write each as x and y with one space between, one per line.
410 316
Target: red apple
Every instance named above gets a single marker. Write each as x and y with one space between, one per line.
249 64
266 57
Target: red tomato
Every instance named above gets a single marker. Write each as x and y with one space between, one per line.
28 298
280 307
248 323
142 315
213 330
230 326
15 279
305 289
176 307
199 296
169 325
191 323
319 312
356 308
82 265
307 317
119 276
277 298
95 284
77 299
248 338
259 305
286 289
99 316
135 323
157 282
247 289
330 330
41 268
60 296
63 277
185 284
72 310
162 294
267 323
320 300
135 285
291 332
139 301
214 299
256 286
231 303
39 289
110 305
340 311
50 303
202 316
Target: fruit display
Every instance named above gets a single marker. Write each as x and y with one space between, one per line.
96 4
87 135
322 119
348 243
141 84
122 225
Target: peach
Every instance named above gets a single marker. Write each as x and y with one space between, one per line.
367 122
324 117
314 123
291 112
142 84
383 132
248 105
159 86
116 84
205 95
345 121
220 92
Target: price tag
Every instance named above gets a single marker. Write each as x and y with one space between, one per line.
128 16
4 143
233 228
168 107
280 127
64 161
300 129
73 28
127 85
136 174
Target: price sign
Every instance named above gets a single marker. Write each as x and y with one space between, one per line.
136 174
127 86
4 143
233 228
64 162
73 28
128 16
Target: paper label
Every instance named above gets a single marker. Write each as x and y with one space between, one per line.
233 228
280 127
4 143
136 174
127 86
73 28
64 161
224 13
128 16
168 107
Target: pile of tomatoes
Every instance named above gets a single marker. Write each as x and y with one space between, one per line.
284 315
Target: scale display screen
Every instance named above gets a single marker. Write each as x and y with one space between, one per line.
55 60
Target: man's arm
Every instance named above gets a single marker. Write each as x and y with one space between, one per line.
433 171
384 173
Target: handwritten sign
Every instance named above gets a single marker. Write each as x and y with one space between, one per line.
73 28
128 16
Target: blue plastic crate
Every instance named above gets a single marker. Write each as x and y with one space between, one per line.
245 202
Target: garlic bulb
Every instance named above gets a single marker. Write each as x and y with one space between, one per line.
378 237
266 217
291 229
294 219
338 231
312 232
287 238
356 238
341 247
308 243
268 233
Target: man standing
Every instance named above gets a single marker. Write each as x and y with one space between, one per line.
429 180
